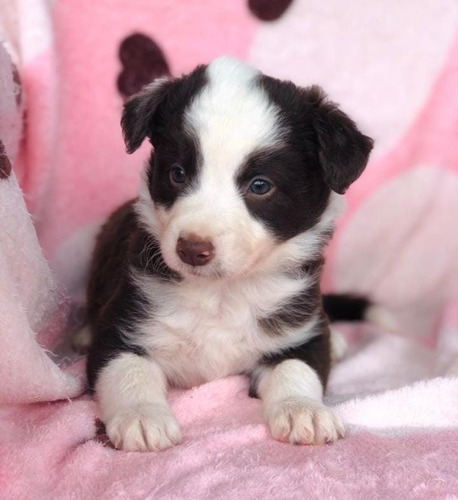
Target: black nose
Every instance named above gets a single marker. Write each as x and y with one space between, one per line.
195 252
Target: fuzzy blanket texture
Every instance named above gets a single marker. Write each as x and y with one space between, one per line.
65 69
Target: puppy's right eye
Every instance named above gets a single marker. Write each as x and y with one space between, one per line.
177 174
260 187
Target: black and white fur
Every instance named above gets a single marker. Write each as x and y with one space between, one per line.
250 301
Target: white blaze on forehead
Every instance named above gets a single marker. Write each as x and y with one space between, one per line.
232 116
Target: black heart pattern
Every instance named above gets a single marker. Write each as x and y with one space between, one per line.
268 10
143 61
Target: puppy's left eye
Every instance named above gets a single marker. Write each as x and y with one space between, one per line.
177 174
260 187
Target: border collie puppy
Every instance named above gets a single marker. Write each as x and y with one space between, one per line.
214 269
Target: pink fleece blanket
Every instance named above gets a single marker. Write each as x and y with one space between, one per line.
394 67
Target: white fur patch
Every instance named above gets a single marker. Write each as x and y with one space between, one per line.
292 400
232 117
131 392
201 331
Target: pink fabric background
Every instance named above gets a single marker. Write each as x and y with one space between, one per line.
394 67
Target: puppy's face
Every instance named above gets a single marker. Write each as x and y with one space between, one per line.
245 170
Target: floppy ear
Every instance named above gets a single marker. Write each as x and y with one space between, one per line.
139 112
343 149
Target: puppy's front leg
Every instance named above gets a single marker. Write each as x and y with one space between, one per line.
131 391
292 397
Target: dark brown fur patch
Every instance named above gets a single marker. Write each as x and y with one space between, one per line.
157 112
331 144
304 307
110 254
299 309
316 353
300 196
5 164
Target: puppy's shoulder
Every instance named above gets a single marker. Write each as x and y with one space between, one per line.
110 261
117 230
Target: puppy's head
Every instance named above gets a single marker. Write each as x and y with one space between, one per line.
246 169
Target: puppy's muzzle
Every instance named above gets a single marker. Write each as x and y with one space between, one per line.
195 251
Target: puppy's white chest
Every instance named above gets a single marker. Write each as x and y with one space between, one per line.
202 341
200 333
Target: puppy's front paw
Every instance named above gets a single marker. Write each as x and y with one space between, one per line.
303 421
143 428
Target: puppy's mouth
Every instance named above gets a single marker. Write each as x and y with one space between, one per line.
213 272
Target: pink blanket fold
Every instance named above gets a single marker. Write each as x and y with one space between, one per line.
397 242
28 296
